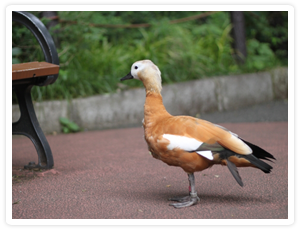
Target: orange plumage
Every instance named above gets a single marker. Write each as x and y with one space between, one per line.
190 143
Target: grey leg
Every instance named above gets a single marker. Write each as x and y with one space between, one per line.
187 200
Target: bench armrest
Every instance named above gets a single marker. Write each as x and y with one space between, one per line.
43 37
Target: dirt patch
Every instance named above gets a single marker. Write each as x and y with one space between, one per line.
20 175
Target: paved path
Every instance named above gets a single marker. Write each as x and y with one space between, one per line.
109 174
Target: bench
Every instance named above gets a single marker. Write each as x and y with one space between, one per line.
27 75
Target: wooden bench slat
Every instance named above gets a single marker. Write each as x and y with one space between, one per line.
33 69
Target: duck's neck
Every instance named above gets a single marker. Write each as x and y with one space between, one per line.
154 108
151 86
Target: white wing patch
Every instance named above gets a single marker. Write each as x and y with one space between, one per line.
182 142
207 154
186 144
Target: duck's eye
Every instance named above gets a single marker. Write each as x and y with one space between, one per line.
136 67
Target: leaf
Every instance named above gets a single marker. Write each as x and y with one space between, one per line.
73 127
66 130
16 51
68 126
15 61
16 202
64 121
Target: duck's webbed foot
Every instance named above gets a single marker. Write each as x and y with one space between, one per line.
190 200
185 201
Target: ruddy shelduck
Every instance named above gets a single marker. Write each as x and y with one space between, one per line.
190 143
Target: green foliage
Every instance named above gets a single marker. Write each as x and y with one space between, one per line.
16 51
269 27
68 126
93 59
260 56
25 46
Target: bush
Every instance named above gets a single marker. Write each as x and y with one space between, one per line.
93 59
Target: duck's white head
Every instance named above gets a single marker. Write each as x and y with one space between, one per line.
147 72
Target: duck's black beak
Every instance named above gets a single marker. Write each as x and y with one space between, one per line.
127 77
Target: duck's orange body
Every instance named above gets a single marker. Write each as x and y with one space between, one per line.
157 121
187 142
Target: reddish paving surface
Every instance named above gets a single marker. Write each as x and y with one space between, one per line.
110 174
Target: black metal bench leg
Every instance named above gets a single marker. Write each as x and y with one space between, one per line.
28 125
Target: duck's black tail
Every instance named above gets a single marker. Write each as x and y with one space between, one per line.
259 152
254 158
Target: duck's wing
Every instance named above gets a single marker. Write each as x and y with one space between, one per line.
188 132
187 144
214 142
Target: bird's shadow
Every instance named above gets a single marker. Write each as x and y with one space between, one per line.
226 198
205 198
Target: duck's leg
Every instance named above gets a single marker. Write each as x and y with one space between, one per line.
187 200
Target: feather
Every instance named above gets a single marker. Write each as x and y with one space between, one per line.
233 169
258 163
206 154
182 142
259 152
187 144
212 147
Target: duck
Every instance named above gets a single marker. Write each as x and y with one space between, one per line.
190 143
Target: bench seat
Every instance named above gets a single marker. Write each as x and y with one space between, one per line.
33 69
